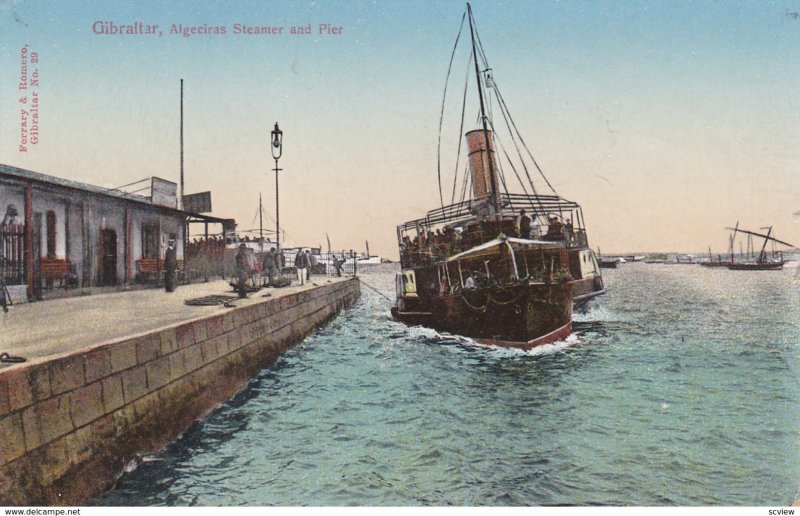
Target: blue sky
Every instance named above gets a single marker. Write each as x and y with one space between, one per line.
666 120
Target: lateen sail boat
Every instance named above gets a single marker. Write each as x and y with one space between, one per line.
504 268
762 263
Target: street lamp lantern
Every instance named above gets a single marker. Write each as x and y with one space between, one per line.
277 142
277 150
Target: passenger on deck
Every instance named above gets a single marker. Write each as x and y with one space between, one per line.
558 229
536 228
524 225
404 256
555 229
455 240
470 284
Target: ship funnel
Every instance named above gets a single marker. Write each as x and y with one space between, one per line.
479 163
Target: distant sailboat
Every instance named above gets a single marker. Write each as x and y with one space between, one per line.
606 263
368 259
762 263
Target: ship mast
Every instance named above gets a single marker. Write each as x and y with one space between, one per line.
484 118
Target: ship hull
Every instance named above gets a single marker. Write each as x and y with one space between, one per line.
586 289
555 335
776 266
518 316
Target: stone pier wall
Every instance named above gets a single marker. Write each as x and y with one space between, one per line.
69 424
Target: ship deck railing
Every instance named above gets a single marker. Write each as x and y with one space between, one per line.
440 249
535 206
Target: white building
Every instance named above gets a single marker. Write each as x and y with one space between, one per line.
56 230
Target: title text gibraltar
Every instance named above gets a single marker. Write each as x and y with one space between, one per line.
139 28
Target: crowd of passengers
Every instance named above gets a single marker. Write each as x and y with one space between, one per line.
475 273
429 246
205 256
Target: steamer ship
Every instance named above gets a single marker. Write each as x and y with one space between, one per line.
502 268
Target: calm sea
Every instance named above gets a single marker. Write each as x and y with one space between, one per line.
678 387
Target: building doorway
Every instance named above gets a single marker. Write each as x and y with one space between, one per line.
37 255
108 257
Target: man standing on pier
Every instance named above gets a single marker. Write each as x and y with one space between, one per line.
310 263
170 267
242 270
301 264
269 266
337 265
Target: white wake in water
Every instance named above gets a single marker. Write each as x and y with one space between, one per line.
555 347
595 314
542 350
416 332
421 332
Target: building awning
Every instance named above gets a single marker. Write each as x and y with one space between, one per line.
197 217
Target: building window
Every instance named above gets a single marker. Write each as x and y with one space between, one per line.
149 241
51 234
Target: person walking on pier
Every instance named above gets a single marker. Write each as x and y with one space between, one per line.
269 266
337 265
170 267
310 263
242 270
301 264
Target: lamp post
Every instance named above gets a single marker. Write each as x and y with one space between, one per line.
277 150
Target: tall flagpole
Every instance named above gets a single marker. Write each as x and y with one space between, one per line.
180 194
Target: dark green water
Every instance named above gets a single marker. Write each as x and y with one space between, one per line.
679 387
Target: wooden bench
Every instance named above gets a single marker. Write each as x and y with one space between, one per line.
56 268
151 269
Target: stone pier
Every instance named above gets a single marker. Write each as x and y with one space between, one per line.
96 393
